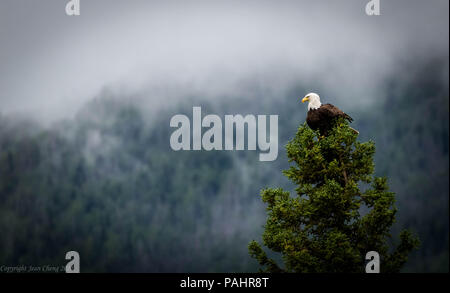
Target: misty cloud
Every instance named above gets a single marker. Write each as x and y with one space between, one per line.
51 64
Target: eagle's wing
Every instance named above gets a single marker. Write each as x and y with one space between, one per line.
332 111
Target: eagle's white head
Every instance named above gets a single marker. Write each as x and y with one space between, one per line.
314 101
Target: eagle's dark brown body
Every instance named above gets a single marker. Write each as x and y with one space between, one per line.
323 118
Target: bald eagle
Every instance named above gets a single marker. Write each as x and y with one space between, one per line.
323 116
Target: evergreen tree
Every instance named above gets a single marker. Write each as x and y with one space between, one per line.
341 211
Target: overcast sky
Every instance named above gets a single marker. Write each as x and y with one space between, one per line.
51 63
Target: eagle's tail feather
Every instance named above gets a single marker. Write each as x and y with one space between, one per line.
346 116
354 130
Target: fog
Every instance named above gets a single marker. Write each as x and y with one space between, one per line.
51 64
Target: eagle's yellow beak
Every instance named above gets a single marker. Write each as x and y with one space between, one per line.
305 99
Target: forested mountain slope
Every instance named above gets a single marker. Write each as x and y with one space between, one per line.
107 184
